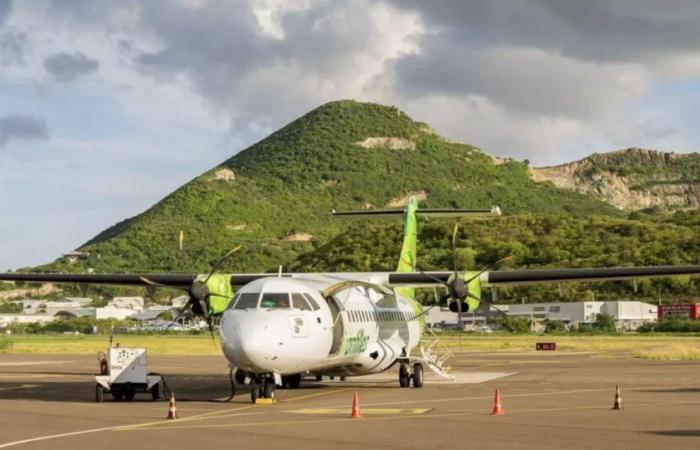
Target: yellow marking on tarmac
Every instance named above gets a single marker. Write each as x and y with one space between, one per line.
212 414
317 394
370 411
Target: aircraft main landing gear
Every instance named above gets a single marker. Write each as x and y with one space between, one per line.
408 375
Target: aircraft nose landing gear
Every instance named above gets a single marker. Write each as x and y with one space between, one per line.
263 387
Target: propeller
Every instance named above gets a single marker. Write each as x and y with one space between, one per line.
457 287
198 293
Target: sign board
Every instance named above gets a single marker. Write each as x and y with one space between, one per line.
680 311
546 346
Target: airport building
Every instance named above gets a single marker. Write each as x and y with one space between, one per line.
628 315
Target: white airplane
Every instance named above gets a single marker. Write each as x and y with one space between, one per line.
279 327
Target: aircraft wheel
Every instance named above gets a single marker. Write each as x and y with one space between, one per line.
291 381
269 390
404 379
155 392
417 376
129 394
118 395
254 392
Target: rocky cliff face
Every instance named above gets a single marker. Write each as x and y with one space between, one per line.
631 179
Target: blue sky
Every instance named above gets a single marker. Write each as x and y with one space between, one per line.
107 106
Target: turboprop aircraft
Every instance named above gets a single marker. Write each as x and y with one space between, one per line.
276 328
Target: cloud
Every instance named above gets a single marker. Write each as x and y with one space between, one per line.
66 67
16 126
5 9
12 48
542 78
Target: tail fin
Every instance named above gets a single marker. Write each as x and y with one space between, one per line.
407 258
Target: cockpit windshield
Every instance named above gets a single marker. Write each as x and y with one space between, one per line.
247 301
274 300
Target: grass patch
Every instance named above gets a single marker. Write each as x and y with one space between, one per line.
656 347
674 352
632 345
157 345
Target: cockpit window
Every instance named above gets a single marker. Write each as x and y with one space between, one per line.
274 300
312 302
298 302
247 301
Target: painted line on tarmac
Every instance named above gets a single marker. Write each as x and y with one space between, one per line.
369 411
97 430
55 436
326 420
17 388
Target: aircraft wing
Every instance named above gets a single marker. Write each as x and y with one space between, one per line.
498 278
495 278
539 276
125 279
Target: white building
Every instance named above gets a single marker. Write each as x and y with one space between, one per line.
627 314
7 319
135 303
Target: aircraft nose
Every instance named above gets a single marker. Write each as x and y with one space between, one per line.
250 344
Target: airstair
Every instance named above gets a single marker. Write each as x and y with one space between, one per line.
435 354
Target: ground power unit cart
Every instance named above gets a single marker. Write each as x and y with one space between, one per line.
124 373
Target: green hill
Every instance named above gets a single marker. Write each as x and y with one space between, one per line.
535 241
274 197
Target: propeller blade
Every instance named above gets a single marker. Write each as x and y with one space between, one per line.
427 275
154 284
454 249
493 267
219 262
211 329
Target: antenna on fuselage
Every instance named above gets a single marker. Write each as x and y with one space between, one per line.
279 271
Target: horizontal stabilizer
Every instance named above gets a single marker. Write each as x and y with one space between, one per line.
429 212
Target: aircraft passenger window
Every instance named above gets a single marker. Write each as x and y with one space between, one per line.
247 301
312 302
298 302
274 300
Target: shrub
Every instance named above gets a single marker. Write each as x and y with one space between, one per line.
671 326
554 326
512 324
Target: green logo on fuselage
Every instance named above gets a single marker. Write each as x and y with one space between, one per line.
355 344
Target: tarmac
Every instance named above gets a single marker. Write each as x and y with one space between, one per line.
551 400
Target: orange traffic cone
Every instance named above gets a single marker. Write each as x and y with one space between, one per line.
355 407
172 409
497 409
618 399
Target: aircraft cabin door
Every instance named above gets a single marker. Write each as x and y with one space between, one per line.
338 326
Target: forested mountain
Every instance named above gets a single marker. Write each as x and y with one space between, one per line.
274 199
